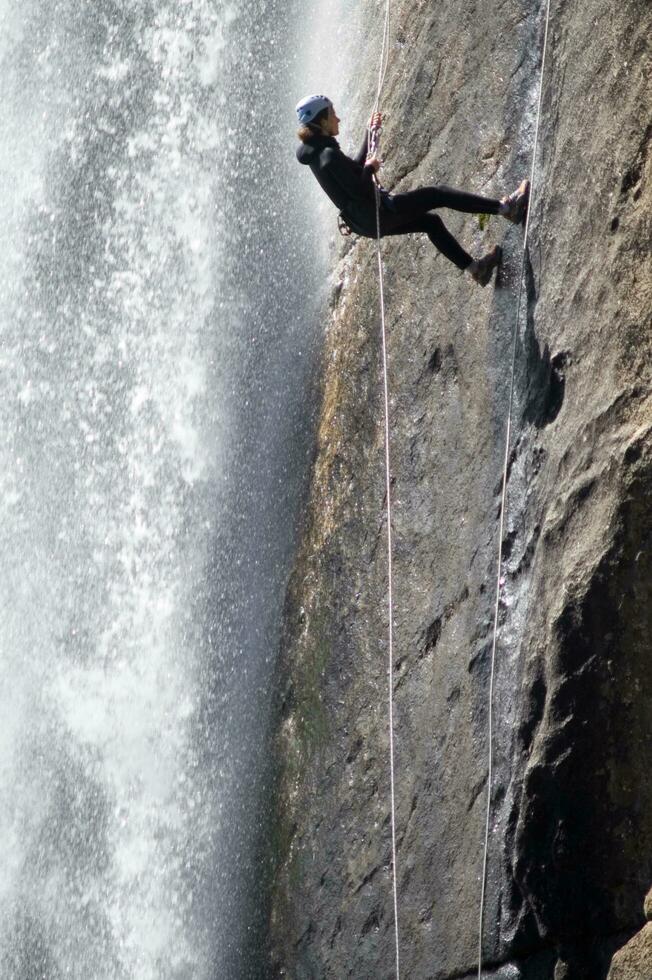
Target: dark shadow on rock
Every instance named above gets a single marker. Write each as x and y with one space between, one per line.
578 828
632 175
540 377
441 362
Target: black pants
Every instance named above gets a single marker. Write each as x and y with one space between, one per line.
407 214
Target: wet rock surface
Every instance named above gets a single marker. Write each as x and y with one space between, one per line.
570 855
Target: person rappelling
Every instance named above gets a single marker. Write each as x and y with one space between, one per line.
349 183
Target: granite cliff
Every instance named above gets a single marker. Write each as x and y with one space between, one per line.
570 855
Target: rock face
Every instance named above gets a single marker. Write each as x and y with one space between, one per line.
635 959
570 845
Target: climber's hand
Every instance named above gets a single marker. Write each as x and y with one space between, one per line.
374 163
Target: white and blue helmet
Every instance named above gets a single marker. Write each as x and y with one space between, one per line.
311 106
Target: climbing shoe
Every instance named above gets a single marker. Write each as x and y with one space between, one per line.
514 206
482 269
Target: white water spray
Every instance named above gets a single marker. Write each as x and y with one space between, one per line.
138 368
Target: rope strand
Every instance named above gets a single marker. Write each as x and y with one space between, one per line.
374 133
390 585
384 56
503 502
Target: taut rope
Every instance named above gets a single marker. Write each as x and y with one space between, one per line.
374 134
503 501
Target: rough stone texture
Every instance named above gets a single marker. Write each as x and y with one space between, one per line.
647 906
634 961
570 853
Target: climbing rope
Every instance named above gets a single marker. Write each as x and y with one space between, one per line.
503 502
384 56
390 591
372 146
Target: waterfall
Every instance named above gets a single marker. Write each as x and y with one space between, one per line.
159 338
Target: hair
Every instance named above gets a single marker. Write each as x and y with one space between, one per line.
313 128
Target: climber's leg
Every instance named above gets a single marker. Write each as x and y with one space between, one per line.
415 203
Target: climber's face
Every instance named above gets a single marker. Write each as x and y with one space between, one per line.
333 122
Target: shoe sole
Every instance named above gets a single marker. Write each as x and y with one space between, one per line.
521 213
486 278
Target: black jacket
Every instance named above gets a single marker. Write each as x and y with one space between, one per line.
348 183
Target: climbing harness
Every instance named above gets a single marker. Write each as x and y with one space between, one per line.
503 502
372 147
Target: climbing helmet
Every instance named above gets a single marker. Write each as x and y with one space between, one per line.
311 106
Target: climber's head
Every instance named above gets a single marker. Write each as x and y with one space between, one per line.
316 114
311 107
